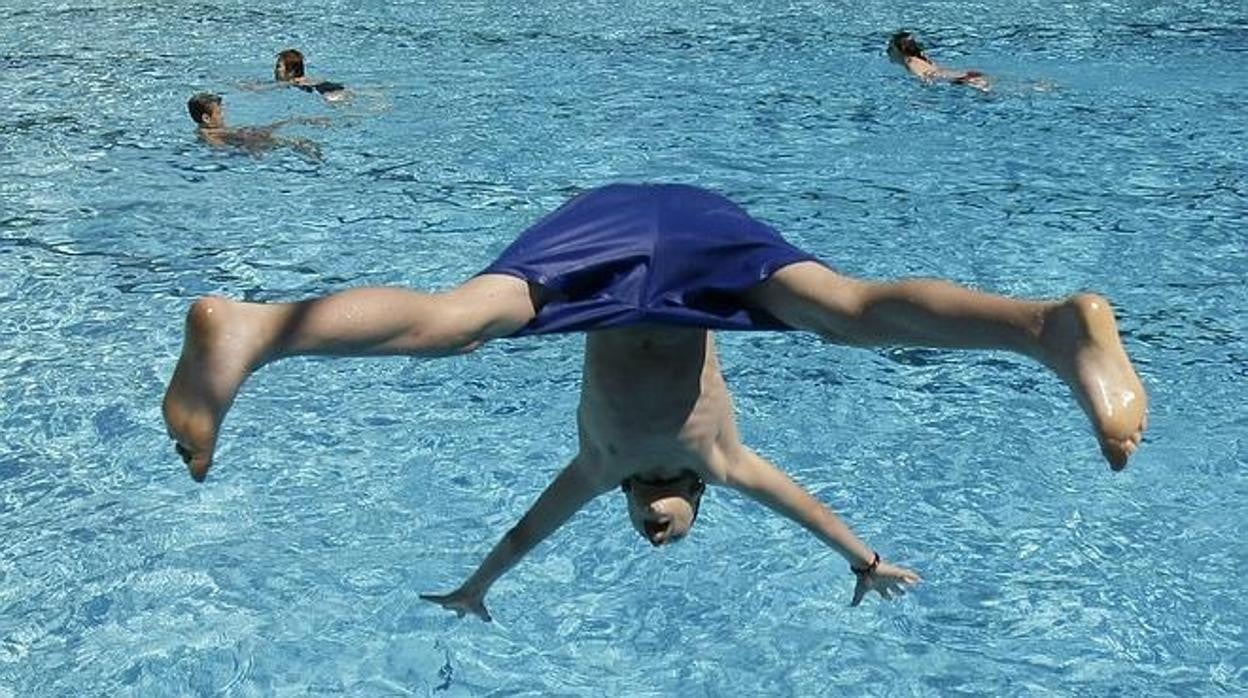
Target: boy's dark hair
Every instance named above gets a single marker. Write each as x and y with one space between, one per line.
905 44
292 60
201 104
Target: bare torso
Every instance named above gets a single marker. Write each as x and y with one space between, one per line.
249 138
654 403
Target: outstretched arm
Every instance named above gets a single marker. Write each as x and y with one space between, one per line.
305 120
256 86
754 476
564 496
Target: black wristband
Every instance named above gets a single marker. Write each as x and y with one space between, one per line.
869 569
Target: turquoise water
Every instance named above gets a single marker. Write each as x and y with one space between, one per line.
1110 156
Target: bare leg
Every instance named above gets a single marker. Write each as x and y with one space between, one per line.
226 341
1077 337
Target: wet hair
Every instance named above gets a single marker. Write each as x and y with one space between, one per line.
201 104
292 60
905 44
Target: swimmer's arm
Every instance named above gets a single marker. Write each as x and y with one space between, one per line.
563 497
306 120
766 483
259 86
757 478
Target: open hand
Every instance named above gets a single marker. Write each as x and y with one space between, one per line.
887 580
461 602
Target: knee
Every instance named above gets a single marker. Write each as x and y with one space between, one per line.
844 311
852 298
460 331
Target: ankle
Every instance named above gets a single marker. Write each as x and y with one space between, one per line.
1056 323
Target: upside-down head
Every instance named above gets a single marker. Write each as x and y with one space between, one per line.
663 510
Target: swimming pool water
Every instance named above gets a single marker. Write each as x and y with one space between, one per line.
1110 156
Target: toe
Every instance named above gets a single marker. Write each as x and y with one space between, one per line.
1116 454
196 463
199 470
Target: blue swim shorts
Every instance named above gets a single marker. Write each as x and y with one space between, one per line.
655 254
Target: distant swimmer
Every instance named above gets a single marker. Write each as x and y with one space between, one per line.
906 51
208 113
289 70
647 271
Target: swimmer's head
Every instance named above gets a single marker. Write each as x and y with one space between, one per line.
903 45
206 110
289 65
663 510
